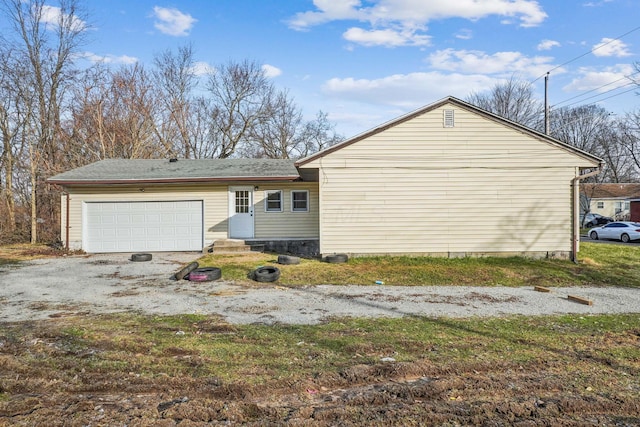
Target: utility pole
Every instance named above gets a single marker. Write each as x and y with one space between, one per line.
546 104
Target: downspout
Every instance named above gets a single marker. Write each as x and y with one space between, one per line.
66 218
576 211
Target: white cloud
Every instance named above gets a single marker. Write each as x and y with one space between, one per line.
597 4
270 71
110 59
417 13
464 34
52 15
407 91
201 68
387 37
329 10
499 63
173 22
611 47
547 44
600 80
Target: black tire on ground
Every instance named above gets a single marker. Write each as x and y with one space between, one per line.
141 257
336 258
288 259
205 274
625 238
182 273
266 274
593 235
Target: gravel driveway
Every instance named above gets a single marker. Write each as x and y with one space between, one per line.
107 283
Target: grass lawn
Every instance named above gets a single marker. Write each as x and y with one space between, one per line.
599 265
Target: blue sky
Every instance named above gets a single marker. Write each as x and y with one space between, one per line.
367 61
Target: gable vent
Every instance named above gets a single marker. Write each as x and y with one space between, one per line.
448 118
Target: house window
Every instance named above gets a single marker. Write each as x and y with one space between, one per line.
622 206
448 118
600 205
300 201
273 201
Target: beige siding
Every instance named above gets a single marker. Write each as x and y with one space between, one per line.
286 224
417 187
216 208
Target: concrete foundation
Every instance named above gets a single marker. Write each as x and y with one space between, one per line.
301 247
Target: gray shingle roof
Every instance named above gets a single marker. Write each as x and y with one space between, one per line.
123 171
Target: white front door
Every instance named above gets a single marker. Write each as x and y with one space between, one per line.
241 212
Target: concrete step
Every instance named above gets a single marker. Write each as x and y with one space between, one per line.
223 246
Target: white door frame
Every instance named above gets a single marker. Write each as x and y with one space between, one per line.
241 215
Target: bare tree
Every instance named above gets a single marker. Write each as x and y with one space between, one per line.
14 114
513 100
175 79
48 47
581 127
613 143
319 134
239 93
276 134
630 138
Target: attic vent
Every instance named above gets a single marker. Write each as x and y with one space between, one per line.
173 160
448 118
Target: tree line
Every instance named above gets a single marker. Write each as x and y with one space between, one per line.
56 115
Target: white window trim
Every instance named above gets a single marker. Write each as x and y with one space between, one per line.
266 200
300 191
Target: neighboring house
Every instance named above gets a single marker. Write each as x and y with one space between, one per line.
448 179
610 199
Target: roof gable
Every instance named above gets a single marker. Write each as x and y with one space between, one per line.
131 171
585 157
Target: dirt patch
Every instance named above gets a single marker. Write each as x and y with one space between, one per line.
387 394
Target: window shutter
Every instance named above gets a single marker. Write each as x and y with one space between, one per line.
448 118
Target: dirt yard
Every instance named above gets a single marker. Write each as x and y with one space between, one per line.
78 369
47 378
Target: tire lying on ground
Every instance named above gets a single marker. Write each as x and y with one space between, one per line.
288 259
141 257
205 274
266 274
183 272
336 258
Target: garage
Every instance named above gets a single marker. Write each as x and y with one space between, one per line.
151 226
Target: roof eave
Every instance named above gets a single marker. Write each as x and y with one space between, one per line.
171 180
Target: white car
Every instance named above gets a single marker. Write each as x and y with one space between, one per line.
619 230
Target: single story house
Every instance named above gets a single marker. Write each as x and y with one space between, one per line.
610 199
448 179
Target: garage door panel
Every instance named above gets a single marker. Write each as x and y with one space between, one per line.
143 226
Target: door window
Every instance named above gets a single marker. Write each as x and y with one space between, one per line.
242 201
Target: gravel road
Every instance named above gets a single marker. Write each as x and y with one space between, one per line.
107 283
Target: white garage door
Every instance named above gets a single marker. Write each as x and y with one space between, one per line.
142 226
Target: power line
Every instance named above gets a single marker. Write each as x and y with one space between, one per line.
617 94
600 87
587 53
